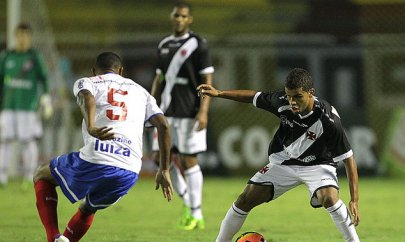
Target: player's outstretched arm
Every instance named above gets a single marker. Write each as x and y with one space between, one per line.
157 89
202 115
351 171
244 96
163 176
87 105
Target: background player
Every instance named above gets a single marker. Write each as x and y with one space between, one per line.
23 87
114 110
183 64
306 148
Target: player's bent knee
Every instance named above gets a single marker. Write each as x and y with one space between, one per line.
253 196
328 201
87 209
42 173
327 197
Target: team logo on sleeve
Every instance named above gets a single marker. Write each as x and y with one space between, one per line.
264 169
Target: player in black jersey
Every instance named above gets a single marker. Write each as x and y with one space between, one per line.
183 64
306 148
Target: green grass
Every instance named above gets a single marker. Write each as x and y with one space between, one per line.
144 216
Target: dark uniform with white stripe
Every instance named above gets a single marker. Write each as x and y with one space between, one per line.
305 149
181 61
313 139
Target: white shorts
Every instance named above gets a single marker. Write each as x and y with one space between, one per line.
21 125
184 135
284 178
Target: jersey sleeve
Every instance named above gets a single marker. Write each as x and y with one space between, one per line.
83 84
3 55
269 101
204 61
42 71
339 145
152 109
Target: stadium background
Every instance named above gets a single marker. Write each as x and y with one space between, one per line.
354 49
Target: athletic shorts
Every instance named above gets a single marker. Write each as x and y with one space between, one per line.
100 185
184 135
284 178
20 125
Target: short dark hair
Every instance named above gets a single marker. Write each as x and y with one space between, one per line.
298 78
183 5
108 60
24 27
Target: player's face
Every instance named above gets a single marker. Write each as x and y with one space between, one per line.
181 20
301 101
23 40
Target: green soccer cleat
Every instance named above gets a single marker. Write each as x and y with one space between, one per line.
194 223
185 217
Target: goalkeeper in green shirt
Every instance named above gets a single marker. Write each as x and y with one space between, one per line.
23 91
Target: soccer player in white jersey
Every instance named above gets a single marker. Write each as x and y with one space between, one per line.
183 64
115 110
306 149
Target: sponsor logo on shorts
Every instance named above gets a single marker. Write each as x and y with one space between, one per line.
111 148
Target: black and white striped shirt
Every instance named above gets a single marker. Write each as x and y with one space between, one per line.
182 61
313 139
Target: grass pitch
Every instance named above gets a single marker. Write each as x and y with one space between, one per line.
144 216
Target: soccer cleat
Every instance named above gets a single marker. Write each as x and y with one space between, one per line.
194 223
185 217
61 238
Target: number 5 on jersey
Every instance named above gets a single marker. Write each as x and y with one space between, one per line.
113 102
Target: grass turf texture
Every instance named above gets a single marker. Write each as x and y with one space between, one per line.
144 216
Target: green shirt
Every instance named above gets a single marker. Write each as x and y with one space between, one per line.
23 79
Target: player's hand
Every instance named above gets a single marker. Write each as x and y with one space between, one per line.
354 212
207 90
46 106
103 133
163 180
201 121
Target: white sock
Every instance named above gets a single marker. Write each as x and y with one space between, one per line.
5 159
179 184
231 224
29 158
194 180
340 215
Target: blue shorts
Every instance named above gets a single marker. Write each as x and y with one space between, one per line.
101 185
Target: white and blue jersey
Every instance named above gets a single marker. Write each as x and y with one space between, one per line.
125 106
103 171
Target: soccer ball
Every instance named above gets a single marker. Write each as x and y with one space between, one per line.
250 237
